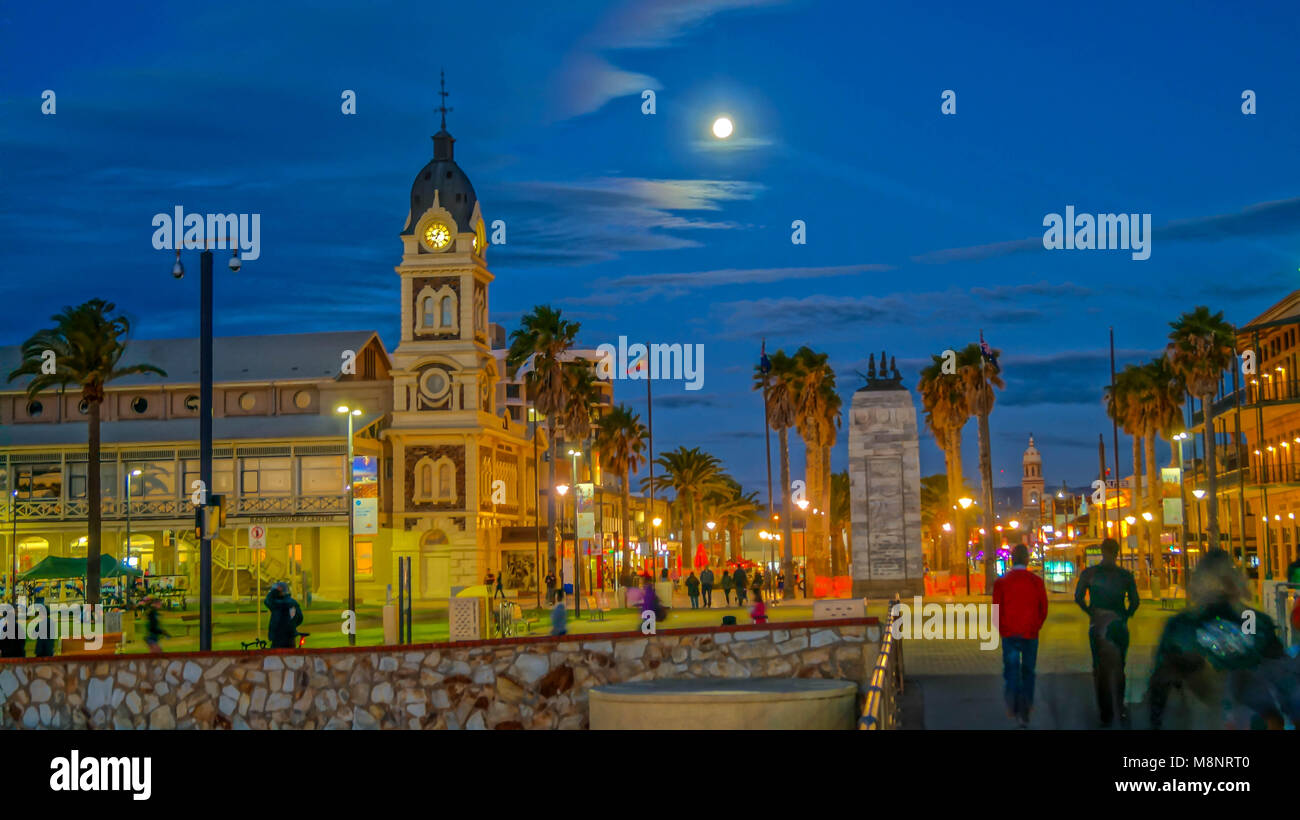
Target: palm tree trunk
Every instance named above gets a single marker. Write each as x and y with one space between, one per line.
839 562
986 478
551 520
1155 504
814 540
787 535
627 523
957 555
1211 474
94 505
1135 501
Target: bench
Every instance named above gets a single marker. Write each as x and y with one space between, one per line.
518 620
597 608
112 641
190 621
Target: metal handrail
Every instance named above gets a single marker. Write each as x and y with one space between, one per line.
882 706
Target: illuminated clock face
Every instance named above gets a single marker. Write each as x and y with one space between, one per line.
437 236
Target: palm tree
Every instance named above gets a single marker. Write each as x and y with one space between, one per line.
1125 405
734 512
943 398
979 379
693 474
621 441
817 415
1201 346
934 509
88 344
1162 398
544 337
841 516
782 391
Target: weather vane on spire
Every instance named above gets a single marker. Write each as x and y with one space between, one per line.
442 82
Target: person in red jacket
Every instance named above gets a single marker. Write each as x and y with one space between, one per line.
1020 607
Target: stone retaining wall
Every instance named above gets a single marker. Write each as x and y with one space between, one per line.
527 683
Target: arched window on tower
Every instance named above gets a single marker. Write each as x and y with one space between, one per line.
426 311
446 481
448 310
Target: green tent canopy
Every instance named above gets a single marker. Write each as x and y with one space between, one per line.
55 567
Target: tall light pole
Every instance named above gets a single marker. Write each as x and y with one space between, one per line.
351 413
712 542
13 546
205 424
126 596
1182 503
577 600
654 547
964 502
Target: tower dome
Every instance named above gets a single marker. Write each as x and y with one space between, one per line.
442 183
1032 456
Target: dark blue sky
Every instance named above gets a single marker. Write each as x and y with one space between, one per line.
643 225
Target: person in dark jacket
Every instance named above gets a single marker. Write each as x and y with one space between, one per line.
13 635
153 626
706 586
1020 601
1112 598
1225 653
727 584
742 585
45 646
693 590
286 615
500 591
756 583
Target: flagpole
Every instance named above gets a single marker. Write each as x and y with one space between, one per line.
650 435
1114 429
764 366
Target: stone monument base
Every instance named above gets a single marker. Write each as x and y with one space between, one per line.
888 589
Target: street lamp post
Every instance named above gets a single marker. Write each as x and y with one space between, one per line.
577 571
654 547
13 546
965 502
351 412
205 424
126 596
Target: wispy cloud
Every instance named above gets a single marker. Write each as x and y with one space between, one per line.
1261 219
644 287
586 81
597 220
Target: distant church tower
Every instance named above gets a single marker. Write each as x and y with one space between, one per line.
1031 483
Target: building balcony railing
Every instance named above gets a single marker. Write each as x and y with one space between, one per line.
147 508
1274 391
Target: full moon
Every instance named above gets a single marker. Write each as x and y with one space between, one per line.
722 128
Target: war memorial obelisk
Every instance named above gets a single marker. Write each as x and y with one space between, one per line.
885 487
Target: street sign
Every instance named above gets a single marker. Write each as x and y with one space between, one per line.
257 537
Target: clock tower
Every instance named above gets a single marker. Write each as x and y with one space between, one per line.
458 467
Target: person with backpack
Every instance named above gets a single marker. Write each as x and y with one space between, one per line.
1112 598
286 616
1020 601
741 581
706 586
693 590
727 584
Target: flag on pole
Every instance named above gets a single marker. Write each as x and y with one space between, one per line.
764 363
987 353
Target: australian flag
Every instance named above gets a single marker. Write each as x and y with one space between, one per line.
764 363
988 354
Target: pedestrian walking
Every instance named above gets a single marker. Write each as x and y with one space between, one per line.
780 584
559 618
693 590
550 587
650 602
706 586
153 631
500 592
742 588
756 583
759 610
44 647
1112 598
727 584
1020 601
1225 654
286 615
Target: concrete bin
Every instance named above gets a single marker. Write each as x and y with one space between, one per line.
723 703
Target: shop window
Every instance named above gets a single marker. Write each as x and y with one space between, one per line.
365 559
